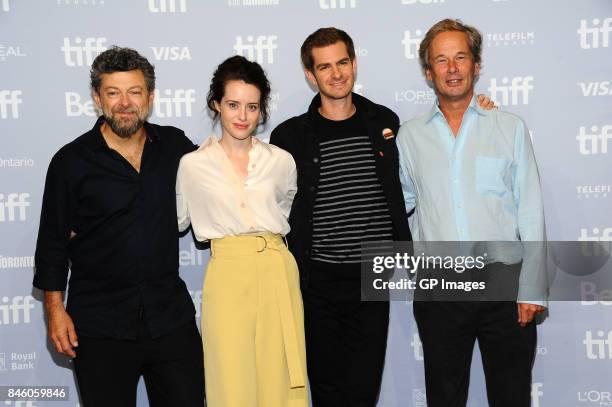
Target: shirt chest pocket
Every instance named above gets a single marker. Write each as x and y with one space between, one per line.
493 175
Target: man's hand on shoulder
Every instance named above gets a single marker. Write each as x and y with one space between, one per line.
485 102
61 328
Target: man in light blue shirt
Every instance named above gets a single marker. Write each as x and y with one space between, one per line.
470 175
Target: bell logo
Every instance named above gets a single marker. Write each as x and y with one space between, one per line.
171 53
331 4
590 295
536 394
411 43
590 36
9 102
83 52
76 108
595 142
168 6
511 92
598 347
256 48
16 310
174 104
13 207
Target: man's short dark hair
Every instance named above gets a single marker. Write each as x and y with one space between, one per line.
119 59
473 35
322 38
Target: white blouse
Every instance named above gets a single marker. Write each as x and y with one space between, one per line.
211 197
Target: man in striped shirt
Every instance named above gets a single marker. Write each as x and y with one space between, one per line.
349 193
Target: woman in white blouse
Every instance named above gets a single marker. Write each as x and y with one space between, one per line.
236 191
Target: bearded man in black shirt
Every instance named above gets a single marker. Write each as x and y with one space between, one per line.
109 212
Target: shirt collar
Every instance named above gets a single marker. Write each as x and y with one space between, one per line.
473 106
97 142
213 140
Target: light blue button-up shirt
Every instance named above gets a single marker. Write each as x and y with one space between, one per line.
481 185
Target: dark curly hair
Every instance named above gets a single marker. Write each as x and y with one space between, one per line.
119 59
238 68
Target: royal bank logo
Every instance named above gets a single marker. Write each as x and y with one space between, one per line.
513 38
9 103
13 207
168 6
260 48
594 398
595 36
410 2
411 43
168 53
593 191
252 3
417 347
595 141
598 345
82 51
416 96
511 91
16 310
334 4
603 88
77 106
590 294
174 103
419 398
10 51
6 5
22 361
536 394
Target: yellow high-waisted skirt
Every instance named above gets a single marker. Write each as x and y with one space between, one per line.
253 325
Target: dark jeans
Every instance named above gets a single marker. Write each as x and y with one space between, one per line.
108 370
346 338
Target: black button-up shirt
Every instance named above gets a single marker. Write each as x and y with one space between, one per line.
123 255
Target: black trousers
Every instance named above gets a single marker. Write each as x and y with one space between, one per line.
108 370
346 338
448 331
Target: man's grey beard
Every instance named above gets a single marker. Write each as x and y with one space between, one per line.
123 131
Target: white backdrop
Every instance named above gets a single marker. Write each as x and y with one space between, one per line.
549 61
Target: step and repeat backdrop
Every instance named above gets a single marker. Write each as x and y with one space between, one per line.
549 61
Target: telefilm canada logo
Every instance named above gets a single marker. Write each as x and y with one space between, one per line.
511 38
593 191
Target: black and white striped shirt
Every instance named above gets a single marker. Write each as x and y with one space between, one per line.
350 205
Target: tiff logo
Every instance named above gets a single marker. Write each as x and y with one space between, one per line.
83 52
76 108
171 53
168 6
589 36
511 92
174 104
256 48
422 1
13 204
411 43
16 310
596 88
599 347
330 4
10 101
536 394
595 142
